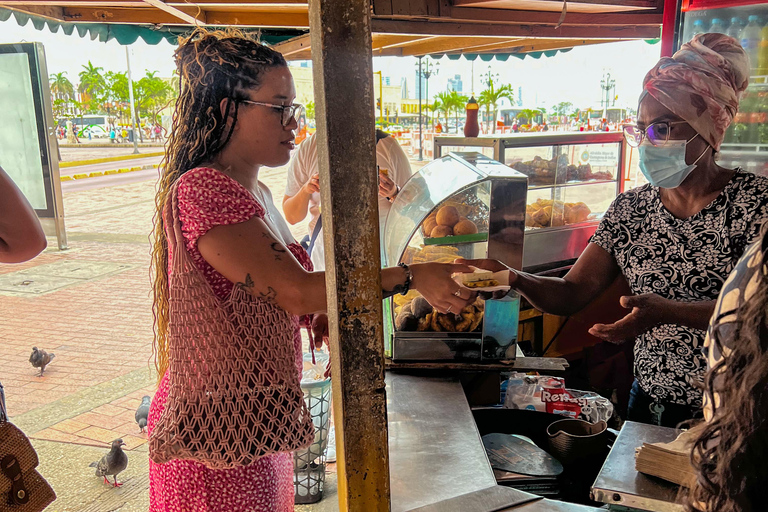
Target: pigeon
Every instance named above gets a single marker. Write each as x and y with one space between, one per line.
112 463
40 359
142 413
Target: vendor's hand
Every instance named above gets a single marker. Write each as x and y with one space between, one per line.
648 310
434 282
312 185
320 329
387 187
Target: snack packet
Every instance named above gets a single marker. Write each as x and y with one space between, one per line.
548 394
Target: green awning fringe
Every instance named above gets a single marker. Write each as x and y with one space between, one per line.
128 33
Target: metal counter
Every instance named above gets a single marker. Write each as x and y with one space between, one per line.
435 450
436 454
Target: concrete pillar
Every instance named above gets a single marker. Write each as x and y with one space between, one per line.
343 82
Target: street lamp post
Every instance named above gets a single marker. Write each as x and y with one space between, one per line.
488 78
607 84
425 71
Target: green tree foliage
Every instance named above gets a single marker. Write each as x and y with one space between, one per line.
152 94
458 104
63 93
443 105
529 115
491 96
309 108
92 87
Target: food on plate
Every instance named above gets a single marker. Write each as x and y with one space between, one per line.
447 216
485 283
464 227
441 231
546 213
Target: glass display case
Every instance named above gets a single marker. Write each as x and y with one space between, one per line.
461 205
572 180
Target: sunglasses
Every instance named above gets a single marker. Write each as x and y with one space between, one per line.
656 133
287 112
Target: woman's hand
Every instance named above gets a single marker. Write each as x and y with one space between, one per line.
387 187
320 329
648 310
434 282
312 185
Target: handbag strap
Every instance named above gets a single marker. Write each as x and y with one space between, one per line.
3 410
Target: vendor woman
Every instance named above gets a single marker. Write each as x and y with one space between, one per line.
676 239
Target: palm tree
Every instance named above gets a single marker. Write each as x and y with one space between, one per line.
92 84
443 104
529 114
492 95
61 87
484 100
458 103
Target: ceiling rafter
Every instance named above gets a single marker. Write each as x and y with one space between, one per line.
183 16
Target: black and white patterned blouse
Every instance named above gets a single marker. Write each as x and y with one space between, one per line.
685 260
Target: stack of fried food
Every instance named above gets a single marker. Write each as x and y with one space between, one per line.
546 213
431 253
414 313
543 172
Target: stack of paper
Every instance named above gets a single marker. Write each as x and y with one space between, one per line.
669 461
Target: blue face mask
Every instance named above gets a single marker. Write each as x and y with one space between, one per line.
664 166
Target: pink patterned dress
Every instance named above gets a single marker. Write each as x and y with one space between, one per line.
208 198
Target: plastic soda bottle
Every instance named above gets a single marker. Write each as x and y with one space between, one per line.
762 56
698 27
750 41
717 26
734 30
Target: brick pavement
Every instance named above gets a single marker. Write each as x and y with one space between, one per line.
93 310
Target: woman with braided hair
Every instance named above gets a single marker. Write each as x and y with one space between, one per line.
235 114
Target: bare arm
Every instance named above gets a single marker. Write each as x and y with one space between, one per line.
592 274
21 236
296 207
250 255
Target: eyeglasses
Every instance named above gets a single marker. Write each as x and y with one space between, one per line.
287 112
656 133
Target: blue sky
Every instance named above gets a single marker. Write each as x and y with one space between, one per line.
573 76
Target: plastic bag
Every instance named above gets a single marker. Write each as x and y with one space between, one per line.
548 394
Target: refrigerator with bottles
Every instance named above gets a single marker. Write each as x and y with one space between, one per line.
746 141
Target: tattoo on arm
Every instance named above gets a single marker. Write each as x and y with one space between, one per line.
247 285
270 296
278 249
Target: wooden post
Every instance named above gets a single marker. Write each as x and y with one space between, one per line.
343 77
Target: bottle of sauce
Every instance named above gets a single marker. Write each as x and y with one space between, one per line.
471 126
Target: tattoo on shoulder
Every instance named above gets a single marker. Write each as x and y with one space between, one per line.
269 296
276 246
247 285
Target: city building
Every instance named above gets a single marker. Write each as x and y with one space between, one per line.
455 84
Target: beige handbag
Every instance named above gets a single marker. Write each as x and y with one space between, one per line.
22 489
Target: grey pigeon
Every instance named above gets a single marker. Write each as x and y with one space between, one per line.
142 413
40 359
112 463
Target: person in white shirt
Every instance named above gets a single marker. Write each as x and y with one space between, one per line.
302 192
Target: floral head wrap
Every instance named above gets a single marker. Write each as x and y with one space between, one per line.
702 83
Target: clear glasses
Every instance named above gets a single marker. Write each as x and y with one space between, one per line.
656 133
287 112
